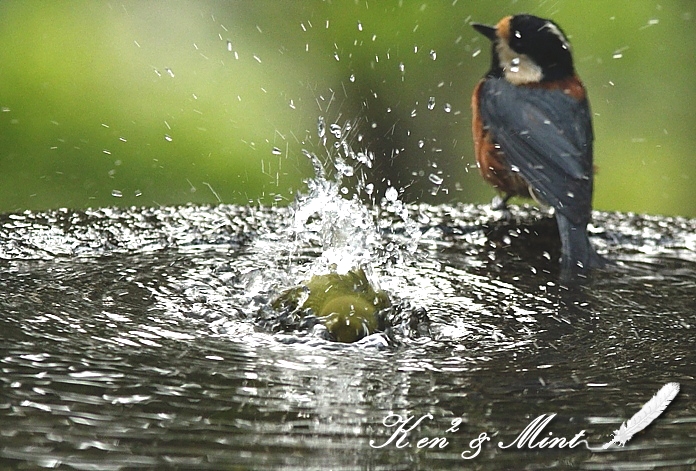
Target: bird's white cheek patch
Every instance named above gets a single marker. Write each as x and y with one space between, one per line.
518 68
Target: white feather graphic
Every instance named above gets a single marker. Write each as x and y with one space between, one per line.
644 417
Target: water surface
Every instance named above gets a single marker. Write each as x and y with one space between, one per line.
141 339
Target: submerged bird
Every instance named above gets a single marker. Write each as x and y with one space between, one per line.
347 304
533 129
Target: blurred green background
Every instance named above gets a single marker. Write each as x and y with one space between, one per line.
159 103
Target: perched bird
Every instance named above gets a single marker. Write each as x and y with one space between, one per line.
533 129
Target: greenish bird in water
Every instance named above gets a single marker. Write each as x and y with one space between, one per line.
346 304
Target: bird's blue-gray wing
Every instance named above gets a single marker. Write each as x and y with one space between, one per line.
546 135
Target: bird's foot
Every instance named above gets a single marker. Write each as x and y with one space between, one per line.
500 204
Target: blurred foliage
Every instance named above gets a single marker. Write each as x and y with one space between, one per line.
146 103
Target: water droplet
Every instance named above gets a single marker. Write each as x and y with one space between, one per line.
276 151
229 46
414 113
421 144
169 71
391 194
321 127
401 67
257 58
116 193
336 56
352 77
369 188
431 102
292 104
476 52
515 65
367 159
335 130
168 138
359 26
138 193
433 54
436 179
617 55
344 168
448 107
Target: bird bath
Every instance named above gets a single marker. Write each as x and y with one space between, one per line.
142 338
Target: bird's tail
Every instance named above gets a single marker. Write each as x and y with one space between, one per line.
577 254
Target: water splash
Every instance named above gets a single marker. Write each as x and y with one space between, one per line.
334 244
343 228
333 225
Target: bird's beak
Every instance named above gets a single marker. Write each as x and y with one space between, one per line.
487 31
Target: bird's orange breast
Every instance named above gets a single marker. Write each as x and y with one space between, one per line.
571 86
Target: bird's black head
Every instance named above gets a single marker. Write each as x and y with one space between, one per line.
528 49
